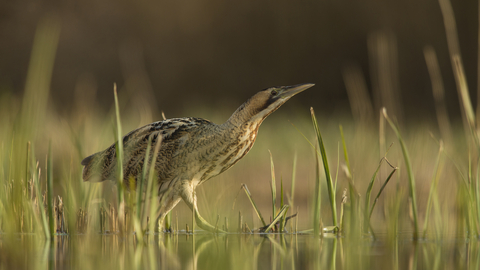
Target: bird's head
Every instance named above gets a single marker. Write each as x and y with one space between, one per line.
265 102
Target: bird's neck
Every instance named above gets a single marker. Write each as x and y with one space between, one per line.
237 136
242 127
241 116
247 114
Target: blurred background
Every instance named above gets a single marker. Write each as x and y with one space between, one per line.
177 55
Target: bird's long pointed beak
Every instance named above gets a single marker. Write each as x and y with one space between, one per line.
290 91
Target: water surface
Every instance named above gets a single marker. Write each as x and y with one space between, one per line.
235 251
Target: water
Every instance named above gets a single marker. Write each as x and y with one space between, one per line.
235 251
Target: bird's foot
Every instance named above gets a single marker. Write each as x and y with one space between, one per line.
203 224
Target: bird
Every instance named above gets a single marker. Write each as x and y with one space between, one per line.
190 152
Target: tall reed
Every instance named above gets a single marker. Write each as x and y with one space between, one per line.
119 156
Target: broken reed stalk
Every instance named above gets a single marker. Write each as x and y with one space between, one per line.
411 176
249 195
366 217
273 187
277 218
382 188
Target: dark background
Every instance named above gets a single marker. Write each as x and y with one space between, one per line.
179 54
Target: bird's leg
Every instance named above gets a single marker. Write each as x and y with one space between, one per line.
190 198
167 202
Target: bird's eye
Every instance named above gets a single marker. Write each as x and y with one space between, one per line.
274 93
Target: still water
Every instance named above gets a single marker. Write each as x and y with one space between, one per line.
235 251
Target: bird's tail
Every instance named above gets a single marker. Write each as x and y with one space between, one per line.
92 171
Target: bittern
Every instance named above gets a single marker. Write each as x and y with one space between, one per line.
191 150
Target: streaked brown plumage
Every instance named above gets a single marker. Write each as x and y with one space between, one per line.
192 150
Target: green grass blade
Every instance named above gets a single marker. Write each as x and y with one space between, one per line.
41 208
27 167
119 151
411 176
51 221
464 95
281 204
168 222
152 189
477 192
305 137
294 173
281 192
345 153
138 218
342 207
143 179
354 195
472 229
338 168
330 185
433 188
273 186
318 197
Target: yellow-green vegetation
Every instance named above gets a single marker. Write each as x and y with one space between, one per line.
307 188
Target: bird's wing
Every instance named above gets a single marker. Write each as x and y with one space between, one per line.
173 133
